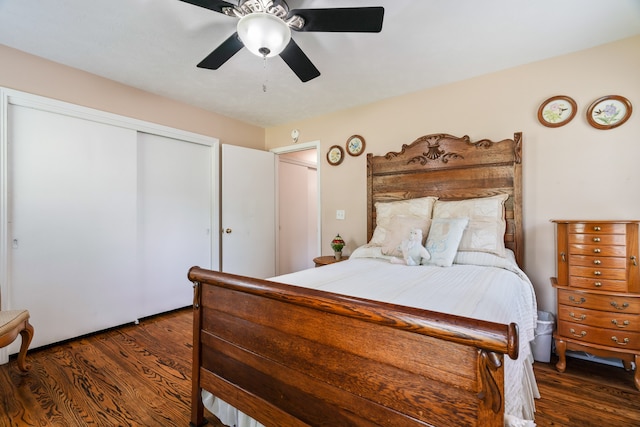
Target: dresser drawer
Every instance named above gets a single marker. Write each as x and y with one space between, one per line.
598 284
598 261
589 334
598 273
618 304
598 250
597 239
593 227
602 319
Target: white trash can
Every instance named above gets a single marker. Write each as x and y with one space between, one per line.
541 345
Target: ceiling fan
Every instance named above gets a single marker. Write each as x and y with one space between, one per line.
265 29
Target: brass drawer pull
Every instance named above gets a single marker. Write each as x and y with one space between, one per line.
597 273
596 239
582 300
596 228
624 324
597 284
634 260
563 257
620 307
624 341
597 262
597 250
581 335
582 317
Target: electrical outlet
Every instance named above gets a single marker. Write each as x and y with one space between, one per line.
340 214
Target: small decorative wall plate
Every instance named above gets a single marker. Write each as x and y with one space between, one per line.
609 112
335 155
355 145
557 111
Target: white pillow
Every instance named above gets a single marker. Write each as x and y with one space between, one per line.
443 240
399 229
367 251
486 259
417 208
487 223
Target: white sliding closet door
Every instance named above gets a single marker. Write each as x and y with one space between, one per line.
174 219
72 223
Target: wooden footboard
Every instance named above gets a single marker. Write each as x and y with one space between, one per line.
291 356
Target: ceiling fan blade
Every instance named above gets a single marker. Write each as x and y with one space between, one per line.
346 19
222 53
299 62
215 5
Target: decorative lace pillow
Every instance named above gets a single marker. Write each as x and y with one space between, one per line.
443 240
420 208
487 223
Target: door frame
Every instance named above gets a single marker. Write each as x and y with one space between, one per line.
291 149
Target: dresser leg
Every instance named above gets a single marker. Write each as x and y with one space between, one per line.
561 348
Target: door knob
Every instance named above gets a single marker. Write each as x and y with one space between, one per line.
228 230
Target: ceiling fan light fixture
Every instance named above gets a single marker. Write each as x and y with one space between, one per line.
265 35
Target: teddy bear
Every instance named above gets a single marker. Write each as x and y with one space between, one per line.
413 253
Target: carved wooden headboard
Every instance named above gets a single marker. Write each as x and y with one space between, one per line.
451 168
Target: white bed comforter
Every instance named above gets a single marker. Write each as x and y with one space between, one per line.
478 285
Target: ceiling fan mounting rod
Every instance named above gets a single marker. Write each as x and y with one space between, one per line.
278 8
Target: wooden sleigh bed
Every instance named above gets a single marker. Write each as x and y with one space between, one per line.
292 356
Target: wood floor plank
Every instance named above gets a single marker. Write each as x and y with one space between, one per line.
140 375
135 375
586 394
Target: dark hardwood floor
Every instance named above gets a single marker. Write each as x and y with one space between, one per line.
139 375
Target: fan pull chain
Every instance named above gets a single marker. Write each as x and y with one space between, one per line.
266 74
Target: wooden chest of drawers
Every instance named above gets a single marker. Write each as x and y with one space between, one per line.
598 290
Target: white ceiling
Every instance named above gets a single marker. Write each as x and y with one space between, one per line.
155 45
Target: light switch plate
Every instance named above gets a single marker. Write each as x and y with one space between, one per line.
340 214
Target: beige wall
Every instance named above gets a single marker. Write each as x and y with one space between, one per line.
571 172
574 171
31 74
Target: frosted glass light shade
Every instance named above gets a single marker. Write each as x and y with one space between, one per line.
263 34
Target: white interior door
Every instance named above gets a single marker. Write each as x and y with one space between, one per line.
174 219
248 211
72 223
